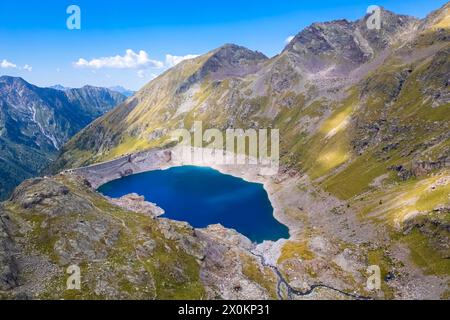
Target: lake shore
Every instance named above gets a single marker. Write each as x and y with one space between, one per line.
277 186
202 196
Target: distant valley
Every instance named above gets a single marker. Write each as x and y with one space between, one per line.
36 122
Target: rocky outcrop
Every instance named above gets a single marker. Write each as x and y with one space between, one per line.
228 257
49 197
8 266
420 168
435 225
136 203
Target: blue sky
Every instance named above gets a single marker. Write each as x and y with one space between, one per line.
34 37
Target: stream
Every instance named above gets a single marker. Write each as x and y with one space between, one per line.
294 292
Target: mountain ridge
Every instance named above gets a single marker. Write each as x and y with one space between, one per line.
35 122
281 64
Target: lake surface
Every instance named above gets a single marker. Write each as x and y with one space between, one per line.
204 196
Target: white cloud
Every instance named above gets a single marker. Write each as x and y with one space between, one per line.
6 64
131 60
142 74
172 61
289 39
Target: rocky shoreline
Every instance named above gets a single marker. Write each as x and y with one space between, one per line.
158 159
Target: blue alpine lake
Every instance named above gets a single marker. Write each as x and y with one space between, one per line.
203 196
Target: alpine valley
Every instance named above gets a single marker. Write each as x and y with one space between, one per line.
36 122
364 120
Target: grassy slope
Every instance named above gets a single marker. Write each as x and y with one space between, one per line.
167 273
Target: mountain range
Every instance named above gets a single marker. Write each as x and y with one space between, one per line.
127 93
364 118
122 90
36 122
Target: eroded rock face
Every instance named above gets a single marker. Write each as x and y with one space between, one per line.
49 197
229 269
344 45
137 203
8 266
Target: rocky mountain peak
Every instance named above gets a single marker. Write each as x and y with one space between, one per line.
89 89
232 60
13 82
233 53
59 87
21 94
392 26
438 19
229 60
323 46
122 90
342 45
